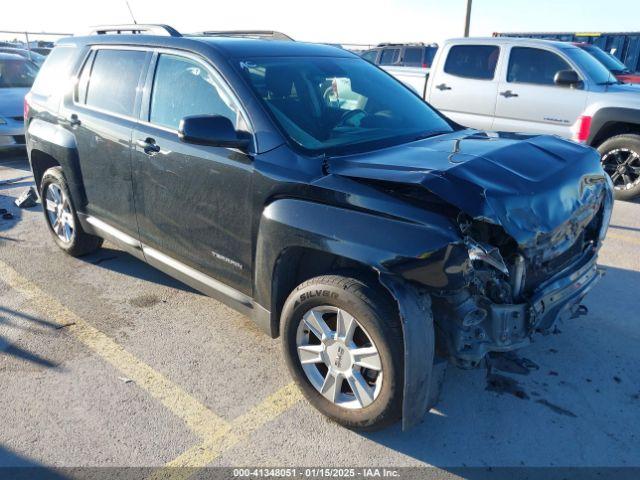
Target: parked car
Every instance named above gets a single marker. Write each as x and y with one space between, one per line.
615 66
401 55
373 236
538 86
16 77
33 56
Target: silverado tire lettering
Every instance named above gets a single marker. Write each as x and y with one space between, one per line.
318 293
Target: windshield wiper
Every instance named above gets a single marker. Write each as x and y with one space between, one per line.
609 82
424 135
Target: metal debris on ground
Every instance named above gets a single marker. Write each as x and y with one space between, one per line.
28 199
15 180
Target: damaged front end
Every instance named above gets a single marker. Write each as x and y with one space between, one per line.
516 289
528 214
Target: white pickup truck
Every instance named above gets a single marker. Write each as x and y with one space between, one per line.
536 86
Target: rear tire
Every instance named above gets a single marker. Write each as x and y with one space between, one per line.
60 215
621 160
369 389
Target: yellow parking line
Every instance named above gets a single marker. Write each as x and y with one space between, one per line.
202 455
198 418
217 434
623 237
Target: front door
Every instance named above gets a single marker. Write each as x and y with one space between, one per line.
193 201
465 87
529 100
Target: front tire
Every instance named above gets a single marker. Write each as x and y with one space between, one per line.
343 345
621 160
61 218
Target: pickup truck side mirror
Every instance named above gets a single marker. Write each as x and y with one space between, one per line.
211 130
567 78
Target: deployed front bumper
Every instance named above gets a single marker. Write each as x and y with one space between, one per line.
506 327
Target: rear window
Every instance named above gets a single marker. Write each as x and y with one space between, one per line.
114 79
472 61
413 57
370 56
54 72
389 56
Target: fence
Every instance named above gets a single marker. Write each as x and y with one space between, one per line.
624 45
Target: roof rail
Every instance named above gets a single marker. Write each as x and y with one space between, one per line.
260 34
418 44
135 29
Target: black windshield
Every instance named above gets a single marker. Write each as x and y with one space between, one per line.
339 105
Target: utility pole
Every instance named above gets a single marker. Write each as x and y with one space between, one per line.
467 20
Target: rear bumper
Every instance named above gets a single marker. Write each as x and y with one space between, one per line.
508 327
12 135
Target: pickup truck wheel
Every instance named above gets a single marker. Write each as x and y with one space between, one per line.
61 217
621 160
343 344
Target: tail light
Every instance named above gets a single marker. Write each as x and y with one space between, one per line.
583 130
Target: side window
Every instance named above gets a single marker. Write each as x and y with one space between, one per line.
533 65
472 61
53 73
114 79
183 87
413 57
370 55
389 56
83 81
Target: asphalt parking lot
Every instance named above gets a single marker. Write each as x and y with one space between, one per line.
104 361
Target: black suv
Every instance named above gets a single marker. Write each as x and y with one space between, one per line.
401 55
312 191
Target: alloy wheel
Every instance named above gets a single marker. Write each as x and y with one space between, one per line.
59 213
339 357
623 166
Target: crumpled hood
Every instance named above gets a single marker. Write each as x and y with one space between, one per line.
12 101
528 184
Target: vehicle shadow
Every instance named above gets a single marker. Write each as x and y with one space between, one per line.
573 406
11 350
121 262
17 467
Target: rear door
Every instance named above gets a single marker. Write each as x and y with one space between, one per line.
464 84
193 201
102 116
528 98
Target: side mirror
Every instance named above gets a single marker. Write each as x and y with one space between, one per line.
567 78
211 130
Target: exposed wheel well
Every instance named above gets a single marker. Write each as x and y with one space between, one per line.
297 264
611 129
40 163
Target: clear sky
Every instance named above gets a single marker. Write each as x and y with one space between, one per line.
336 21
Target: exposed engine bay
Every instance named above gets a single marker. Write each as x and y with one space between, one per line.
500 310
